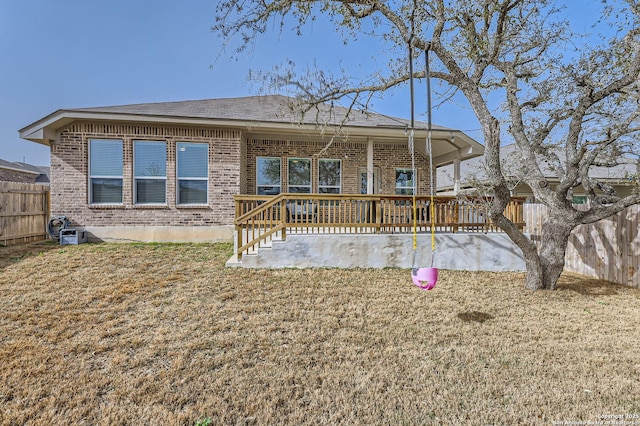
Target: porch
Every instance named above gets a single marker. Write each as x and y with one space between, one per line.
379 227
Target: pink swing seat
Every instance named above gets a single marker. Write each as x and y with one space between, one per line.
425 278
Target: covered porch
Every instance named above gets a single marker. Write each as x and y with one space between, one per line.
388 219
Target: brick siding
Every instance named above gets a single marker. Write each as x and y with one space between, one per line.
69 176
387 158
232 164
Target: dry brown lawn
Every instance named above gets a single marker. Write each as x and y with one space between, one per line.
165 334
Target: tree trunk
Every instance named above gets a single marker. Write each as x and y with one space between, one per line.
533 280
544 268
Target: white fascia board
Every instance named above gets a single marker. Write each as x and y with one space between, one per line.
36 135
44 130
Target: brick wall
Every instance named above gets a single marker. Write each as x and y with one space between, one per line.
69 176
232 163
243 166
387 158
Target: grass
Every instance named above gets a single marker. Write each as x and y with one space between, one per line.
165 334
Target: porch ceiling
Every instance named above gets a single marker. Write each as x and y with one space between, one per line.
448 145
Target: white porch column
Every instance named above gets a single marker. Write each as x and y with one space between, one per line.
370 186
456 176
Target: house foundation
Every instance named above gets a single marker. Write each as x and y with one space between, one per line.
160 234
460 251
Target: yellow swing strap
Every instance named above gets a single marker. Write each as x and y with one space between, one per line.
411 143
432 204
413 192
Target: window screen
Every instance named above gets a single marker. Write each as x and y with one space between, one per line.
300 175
329 176
193 172
150 170
105 171
268 176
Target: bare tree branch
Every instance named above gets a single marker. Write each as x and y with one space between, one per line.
569 104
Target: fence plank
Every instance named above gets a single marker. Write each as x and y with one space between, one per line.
24 212
608 249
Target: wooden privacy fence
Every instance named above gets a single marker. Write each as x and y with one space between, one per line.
24 212
608 249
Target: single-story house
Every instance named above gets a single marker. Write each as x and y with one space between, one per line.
210 170
471 171
23 172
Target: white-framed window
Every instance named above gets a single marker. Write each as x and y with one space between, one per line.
193 173
150 172
404 181
105 171
268 176
329 176
299 171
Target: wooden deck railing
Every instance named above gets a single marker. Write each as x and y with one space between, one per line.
260 218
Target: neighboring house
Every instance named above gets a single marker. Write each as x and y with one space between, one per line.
23 172
472 170
169 171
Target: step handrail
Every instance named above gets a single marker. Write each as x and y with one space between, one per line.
242 224
264 206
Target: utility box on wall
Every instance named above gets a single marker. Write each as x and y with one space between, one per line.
73 236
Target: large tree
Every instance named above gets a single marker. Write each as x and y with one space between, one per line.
568 101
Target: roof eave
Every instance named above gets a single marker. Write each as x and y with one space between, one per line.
16 169
46 129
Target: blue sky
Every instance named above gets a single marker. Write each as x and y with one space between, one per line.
83 53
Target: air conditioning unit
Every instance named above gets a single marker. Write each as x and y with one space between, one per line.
73 236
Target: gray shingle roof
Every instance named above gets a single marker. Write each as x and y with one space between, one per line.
23 167
43 171
474 169
269 108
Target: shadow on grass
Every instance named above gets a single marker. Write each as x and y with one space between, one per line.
474 316
587 286
10 255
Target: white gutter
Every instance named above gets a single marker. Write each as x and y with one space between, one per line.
46 129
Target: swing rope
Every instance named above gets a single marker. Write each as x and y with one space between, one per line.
428 148
424 278
432 205
411 143
413 192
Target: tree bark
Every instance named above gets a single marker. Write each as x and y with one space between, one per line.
544 268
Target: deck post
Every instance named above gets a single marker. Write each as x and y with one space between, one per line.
456 215
283 218
237 233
